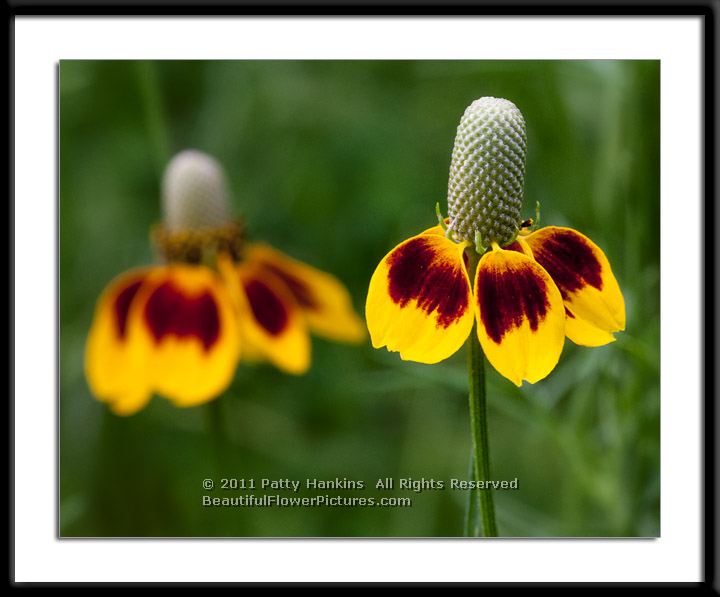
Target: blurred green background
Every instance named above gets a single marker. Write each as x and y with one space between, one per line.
335 163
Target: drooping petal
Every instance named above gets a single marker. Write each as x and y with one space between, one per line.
583 274
271 324
115 364
419 299
322 298
520 316
185 318
584 333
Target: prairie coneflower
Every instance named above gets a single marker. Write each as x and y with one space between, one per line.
179 328
523 291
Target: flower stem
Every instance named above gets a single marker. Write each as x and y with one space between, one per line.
216 431
472 519
479 432
150 90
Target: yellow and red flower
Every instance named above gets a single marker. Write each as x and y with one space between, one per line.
529 289
280 300
525 298
179 329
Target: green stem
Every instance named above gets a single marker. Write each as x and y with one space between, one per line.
479 430
216 432
472 519
154 113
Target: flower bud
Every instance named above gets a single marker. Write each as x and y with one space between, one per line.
487 173
194 192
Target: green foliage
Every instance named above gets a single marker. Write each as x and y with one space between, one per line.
335 163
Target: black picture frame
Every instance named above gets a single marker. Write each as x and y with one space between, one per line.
706 9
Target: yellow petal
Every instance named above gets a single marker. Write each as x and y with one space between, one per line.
584 276
520 316
437 230
419 300
231 277
272 326
584 333
185 317
322 298
115 364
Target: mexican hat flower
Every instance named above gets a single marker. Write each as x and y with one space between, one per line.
179 328
524 289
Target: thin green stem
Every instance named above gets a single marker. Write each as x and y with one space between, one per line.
216 423
154 112
472 518
479 430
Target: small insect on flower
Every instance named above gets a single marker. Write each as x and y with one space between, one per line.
529 290
179 328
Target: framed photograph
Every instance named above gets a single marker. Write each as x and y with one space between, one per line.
404 302
337 436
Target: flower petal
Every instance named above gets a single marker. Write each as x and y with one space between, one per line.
322 298
271 324
583 274
419 300
115 366
584 333
186 319
520 316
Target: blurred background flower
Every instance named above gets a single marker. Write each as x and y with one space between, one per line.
332 162
179 327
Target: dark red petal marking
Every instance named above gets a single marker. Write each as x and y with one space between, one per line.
415 273
303 295
171 312
569 260
507 296
515 246
122 304
267 307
